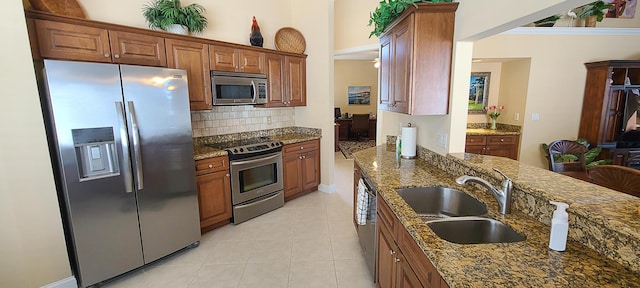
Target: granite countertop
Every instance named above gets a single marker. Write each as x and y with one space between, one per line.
522 264
289 135
482 132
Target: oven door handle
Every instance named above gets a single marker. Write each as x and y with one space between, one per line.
255 160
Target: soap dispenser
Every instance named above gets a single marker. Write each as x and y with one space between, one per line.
559 227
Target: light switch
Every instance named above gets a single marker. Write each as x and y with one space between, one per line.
516 116
535 116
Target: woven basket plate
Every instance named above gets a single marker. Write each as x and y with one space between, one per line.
290 40
60 7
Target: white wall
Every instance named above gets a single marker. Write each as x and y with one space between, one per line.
513 90
32 242
355 73
351 24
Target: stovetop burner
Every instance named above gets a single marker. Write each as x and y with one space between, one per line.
248 147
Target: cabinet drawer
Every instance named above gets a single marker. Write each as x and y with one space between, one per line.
504 139
386 216
473 140
212 165
300 147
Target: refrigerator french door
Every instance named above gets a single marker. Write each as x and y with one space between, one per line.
122 142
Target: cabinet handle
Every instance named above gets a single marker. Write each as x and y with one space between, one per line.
116 56
106 55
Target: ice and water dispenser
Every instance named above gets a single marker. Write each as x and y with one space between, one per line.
95 152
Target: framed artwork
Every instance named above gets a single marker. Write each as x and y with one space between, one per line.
478 92
622 9
359 95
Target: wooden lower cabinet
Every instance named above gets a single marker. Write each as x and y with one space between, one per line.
400 262
214 192
494 145
301 168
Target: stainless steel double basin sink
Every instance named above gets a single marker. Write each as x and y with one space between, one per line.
454 216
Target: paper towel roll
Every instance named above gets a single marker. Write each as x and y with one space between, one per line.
409 136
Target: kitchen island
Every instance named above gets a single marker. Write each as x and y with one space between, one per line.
594 222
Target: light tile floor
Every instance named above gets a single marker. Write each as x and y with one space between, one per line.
310 242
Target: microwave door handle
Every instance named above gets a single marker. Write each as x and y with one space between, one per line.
255 91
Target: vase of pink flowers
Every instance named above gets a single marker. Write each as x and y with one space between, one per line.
494 113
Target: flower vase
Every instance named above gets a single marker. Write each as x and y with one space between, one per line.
493 124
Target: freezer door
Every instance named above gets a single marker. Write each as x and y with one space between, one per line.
84 101
157 104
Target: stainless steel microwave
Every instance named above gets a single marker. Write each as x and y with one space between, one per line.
233 88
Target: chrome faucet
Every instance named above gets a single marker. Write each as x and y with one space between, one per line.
503 196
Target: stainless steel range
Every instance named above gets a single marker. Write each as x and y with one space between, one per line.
256 176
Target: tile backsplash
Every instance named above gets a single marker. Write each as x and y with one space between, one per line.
235 119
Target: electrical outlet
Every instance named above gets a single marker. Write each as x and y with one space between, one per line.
442 140
268 119
516 116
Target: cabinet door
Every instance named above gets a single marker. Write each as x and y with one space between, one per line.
193 57
504 146
224 58
500 150
401 65
613 117
385 257
275 78
251 61
296 81
73 42
292 172
386 88
406 278
310 170
214 197
474 149
137 49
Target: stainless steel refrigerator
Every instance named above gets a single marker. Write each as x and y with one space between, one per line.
121 138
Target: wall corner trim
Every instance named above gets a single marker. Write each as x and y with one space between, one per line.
69 282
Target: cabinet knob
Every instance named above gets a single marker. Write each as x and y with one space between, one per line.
210 165
301 147
396 260
117 56
471 140
501 139
392 252
228 175
299 157
106 55
304 157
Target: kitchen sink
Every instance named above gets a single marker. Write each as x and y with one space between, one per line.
441 202
474 230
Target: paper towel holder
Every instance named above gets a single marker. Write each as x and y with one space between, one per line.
408 146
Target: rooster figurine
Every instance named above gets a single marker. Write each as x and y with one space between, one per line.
255 37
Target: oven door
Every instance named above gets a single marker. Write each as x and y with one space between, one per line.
255 177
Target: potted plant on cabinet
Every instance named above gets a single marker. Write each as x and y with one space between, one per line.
593 12
547 22
170 16
389 10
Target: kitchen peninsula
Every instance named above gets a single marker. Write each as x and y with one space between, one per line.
604 230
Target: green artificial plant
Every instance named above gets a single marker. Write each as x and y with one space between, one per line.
389 10
161 14
594 9
549 20
589 157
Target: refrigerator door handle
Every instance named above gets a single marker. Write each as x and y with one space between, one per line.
124 138
136 145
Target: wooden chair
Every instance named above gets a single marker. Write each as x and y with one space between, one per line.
619 178
567 147
360 125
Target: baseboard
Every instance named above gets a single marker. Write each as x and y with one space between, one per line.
327 188
69 282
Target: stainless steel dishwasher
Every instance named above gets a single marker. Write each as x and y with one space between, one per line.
367 232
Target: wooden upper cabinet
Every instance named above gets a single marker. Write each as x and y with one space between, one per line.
225 58
67 41
295 80
275 80
137 49
75 42
193 57
415 54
